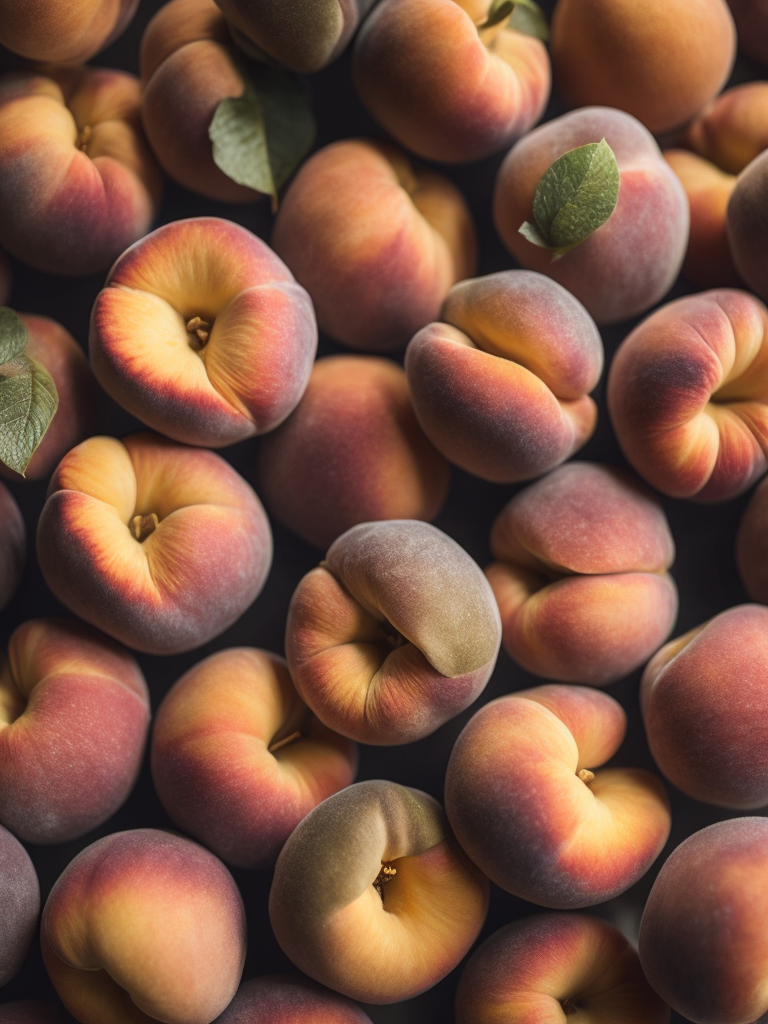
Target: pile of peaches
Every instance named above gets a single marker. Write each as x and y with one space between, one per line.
384 610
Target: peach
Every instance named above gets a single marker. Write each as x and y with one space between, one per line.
237 758
444 86
352 452
376 242
630 262
63 30
688 395
77 181
500 386
373 896
32 1011
751 17
548 966
394 633
752 546
581 574
207 351
76 417
74 716
703 943
19 905
159 545
526 805
141 926
643 58
275 999
747 225
733 128
13 546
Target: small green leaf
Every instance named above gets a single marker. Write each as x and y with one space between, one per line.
523 15
574 197
499 11
261 137
13 335
28 403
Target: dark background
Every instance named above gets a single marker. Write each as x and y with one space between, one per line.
704 569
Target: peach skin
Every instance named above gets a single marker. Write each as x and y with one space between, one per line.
747 225
752 545
526 804
159 545
629 263
74 716
406 59
500 386
703 944
238 759
19 905
373 896
581 576
142 926
13 546
208 351
351 452
376 242
547 967
277 999
733 128
688 395
77 180
62 30
394 633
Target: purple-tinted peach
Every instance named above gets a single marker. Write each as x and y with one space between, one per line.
500 386
74 715
141 926
376 242
159 545
187 68
66 31
747 224
733 128
238 759
13 546
241 375
32 1011
751 17
393 634
580 575
19 904
703 943
5 279
277 999
348 920
543 967
352 452
525 801
405 61
77 180
752 545
631 261
687 395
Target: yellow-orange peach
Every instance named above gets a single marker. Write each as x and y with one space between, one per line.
67 31
733 128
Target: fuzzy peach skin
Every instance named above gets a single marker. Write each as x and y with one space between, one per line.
376 242
385 944
631 261
304 37
277 999
238 759
32 1011
13 545
547 967
395 632
77 180
752 545
187 68
444 88
500 385
74 717
527 804
747 225
581 576
19 904
733 128
159 545
751 17
62 30
704 699
703 943
688 395
76 416
660 61
352 452
142 926
239 375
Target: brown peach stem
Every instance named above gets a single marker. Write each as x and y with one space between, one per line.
284 742
586 775
142 526
83 138
199 329
386 874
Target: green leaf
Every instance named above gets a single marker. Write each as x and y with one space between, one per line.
574 197
261 137
28 402
523 15
13 335
499 11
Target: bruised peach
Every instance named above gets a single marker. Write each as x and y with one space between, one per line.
275 999
13 546
747 225
19 905
351 452
67 31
